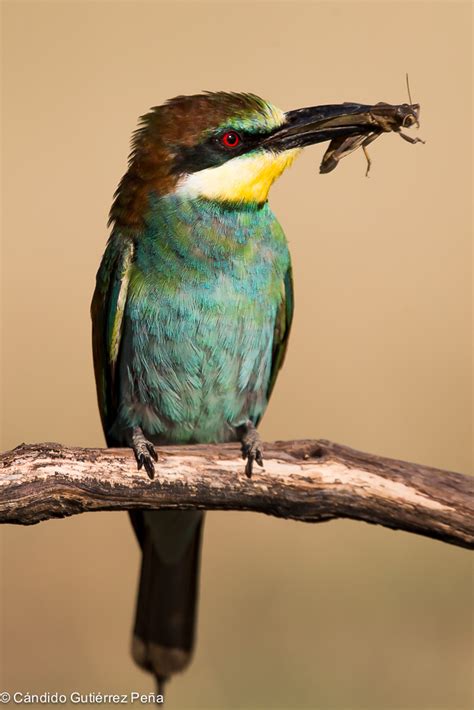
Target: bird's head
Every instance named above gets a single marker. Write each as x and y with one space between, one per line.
227 147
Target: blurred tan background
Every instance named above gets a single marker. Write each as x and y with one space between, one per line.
339 615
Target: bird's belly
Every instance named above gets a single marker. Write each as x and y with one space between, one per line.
195 368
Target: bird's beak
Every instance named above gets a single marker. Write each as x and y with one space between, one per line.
306 126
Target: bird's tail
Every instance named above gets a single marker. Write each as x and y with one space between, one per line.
165 620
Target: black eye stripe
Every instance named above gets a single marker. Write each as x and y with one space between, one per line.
212 152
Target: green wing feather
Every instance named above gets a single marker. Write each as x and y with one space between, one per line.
282 329
107 311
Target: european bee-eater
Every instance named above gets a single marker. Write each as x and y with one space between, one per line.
191 316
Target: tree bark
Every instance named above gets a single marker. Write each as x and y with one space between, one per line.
312 481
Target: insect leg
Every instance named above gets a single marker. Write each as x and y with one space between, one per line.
364 145
409 138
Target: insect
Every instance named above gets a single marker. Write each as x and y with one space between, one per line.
374 121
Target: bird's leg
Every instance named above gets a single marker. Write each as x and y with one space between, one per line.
252 447
143 449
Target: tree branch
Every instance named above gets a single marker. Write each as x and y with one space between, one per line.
313 481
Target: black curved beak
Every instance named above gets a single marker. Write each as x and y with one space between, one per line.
315 124
307 126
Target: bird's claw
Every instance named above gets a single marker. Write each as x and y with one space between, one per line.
145 453
145 460
252 448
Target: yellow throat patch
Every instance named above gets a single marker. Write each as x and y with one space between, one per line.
247 178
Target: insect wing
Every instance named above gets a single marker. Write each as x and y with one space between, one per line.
338 148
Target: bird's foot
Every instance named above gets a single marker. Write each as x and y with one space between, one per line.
252 447
144 451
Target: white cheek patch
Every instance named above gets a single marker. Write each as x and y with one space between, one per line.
247 178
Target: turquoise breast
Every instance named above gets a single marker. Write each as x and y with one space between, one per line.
205 288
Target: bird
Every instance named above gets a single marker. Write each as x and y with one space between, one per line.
191 315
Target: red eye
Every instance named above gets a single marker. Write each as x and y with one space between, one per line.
231 139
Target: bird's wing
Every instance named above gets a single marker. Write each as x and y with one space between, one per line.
107 311
282 329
